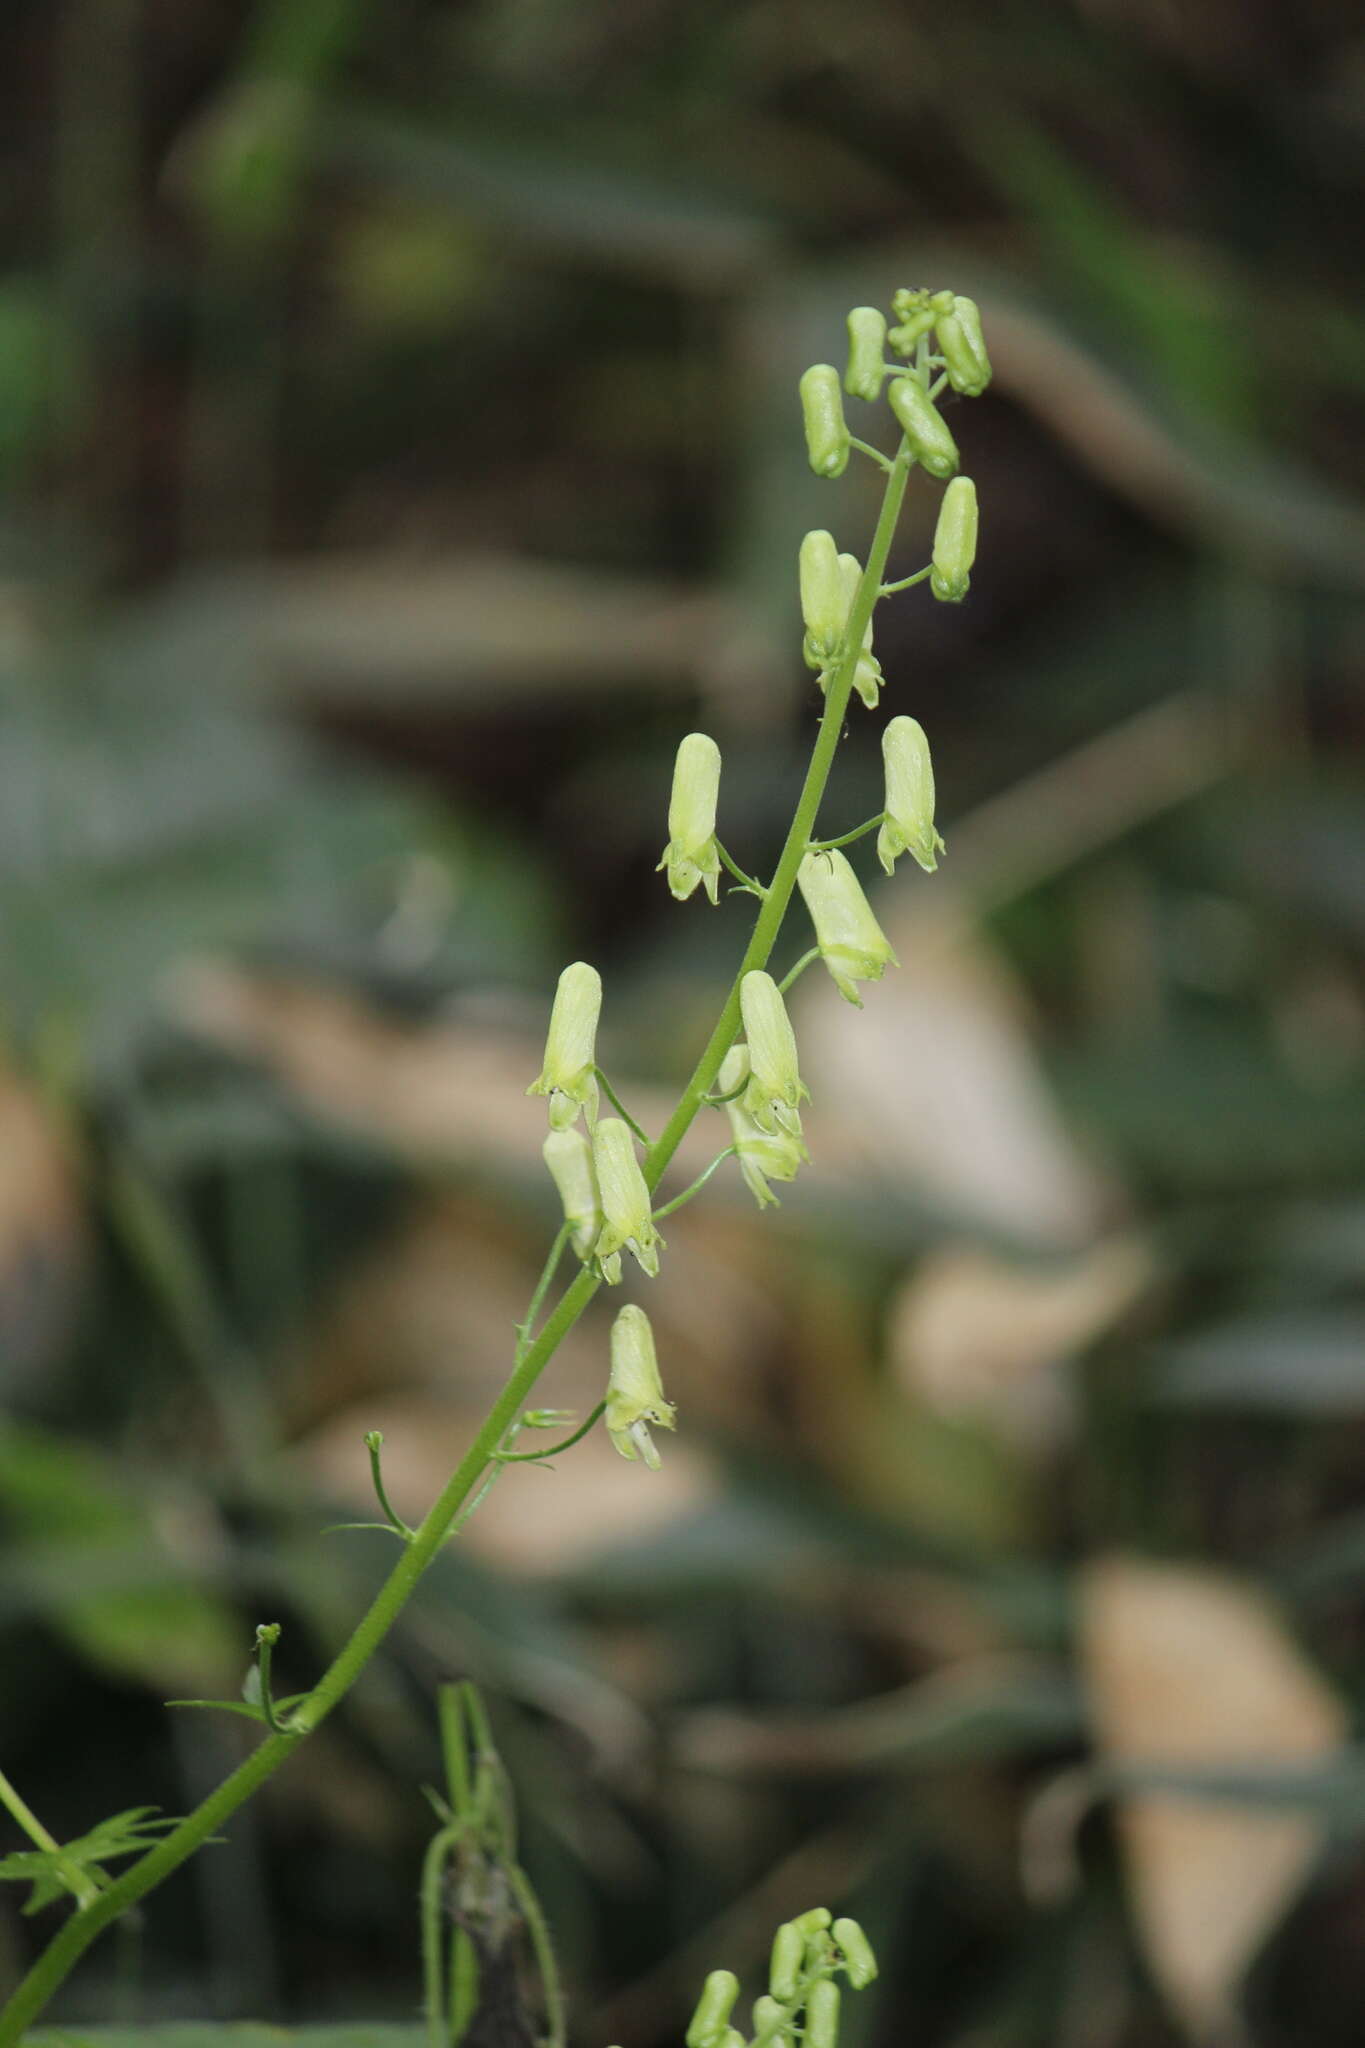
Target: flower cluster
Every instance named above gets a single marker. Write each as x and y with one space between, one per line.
603 1187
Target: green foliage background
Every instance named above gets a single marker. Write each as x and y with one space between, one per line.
398 453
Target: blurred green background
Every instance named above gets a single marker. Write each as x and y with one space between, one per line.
398 453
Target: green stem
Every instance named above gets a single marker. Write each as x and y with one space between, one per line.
543 1286
745 881
907 582
72 1940
794 974
614 1099
543 1950
553 1450
866 448
847 839
77 1881
374 1444
698 1184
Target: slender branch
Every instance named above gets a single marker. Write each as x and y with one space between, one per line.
543 1286
847 838
866 448
614 1099
77 1881
745 881
698 1184
553 1450
907 582
374 1444
543 1950
794 974
719 1101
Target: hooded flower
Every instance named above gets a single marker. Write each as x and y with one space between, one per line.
635 1395
762 1155
568 1075
627 1222
853 944
775 1087
691 855
908 826
568 1155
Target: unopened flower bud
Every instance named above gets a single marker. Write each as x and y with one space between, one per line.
714 2007
853 945
691 855
908 826
813 1921
963 348
822 2015
954 541
635 1394
859 1960
823 604
822 410
866 347
772 2028
569 1158
789 1952
775 1086
932 446
763 1155
627 1222
568 1075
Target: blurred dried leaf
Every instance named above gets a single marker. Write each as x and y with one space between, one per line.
1188 1667
974 1335
937 1083
41 1233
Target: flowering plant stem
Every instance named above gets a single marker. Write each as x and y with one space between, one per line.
421 1546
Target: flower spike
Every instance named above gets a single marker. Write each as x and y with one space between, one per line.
635 1394
691 855
908 826
627 1222
852 943
568 1075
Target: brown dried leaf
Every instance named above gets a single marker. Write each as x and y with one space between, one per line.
975 1336
1188 1667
